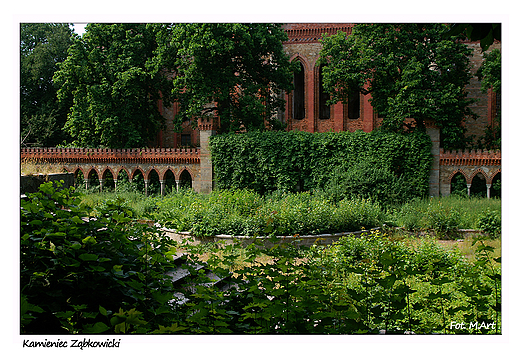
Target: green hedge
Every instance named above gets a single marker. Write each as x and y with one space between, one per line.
301 161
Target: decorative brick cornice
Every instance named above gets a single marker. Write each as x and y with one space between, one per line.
470 158
314 34
207 124
105 155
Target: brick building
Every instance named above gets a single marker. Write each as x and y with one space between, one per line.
177 158
306 108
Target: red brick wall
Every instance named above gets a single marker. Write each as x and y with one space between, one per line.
483 106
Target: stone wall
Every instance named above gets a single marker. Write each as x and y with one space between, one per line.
105 163
485 104
31 183
469 163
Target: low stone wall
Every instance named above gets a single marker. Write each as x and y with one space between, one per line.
299 240
305 240
31 183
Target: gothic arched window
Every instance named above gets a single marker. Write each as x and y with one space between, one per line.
299 93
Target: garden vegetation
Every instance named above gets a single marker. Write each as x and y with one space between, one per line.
373 284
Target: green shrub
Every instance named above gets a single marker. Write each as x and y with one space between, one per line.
369 180
397 287
107 275
244 212
85 275
490 222
447 214
443 219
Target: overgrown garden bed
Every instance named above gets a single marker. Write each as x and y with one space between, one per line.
374 283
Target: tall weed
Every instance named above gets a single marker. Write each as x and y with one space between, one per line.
447 214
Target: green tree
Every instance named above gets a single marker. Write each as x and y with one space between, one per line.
411 71
116 74
233 71
490 71
485 33
42 47
490 75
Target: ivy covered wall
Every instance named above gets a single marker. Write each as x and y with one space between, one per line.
345 161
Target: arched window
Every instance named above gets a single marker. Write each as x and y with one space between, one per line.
496 187
154 185
354 104
185 180
478 186
169 182
458 185
299 93
323 97
108 179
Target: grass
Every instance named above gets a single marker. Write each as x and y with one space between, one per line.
244 212
465 245
32 166
445 214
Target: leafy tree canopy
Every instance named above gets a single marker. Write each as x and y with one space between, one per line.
115 74
490 75
485 33
411 71
230 70
42 47
490 71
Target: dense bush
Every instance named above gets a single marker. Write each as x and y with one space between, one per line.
90 275
397 287
369 181
300 161
364 285
490 222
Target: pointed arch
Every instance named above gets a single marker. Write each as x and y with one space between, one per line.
186 178
169 180
298 94
458 183
461 172
136 171
493 175
93 177
154 187
484 174
79 177
138 179
478 184
122 175
93 171
108 178
107 171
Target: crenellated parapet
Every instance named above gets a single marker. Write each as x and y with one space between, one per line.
470 158
470 164
106 155
303 33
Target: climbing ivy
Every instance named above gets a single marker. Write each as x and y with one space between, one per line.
301 161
